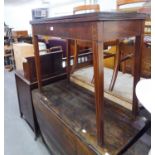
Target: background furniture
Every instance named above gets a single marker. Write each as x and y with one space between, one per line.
8 57
12 37
8 49
18 34
26 82
107 54
123 55
21 36
127 67
22 50
94 7
24 88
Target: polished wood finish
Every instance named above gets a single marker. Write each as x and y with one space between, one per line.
51 64
98 78
26 108
24 89
37 61
89 17
58 136
116 66
137 60
98 28
75 62
67 119
26 81
68 59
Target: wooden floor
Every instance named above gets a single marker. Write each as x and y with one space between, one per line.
75 106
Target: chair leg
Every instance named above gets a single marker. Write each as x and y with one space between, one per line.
116 67
123 63
75 57
92 81
132 67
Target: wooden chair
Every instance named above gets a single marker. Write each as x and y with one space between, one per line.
96 8
118 55
121 3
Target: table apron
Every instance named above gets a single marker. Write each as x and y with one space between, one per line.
91 31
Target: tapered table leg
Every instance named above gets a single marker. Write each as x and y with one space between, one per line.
37 61
98 77
68 59
137 70
75 56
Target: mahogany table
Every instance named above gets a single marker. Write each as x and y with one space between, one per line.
97 28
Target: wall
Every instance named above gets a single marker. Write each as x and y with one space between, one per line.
19 15
60 9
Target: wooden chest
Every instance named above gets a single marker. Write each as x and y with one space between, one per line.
26 82
24 88
66 117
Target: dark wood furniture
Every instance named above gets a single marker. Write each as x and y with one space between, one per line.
66 116
97 28
24 88
26 82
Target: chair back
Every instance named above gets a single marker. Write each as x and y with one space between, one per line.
145 8
94 7
121 3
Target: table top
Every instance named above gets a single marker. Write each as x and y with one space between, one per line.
95 16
